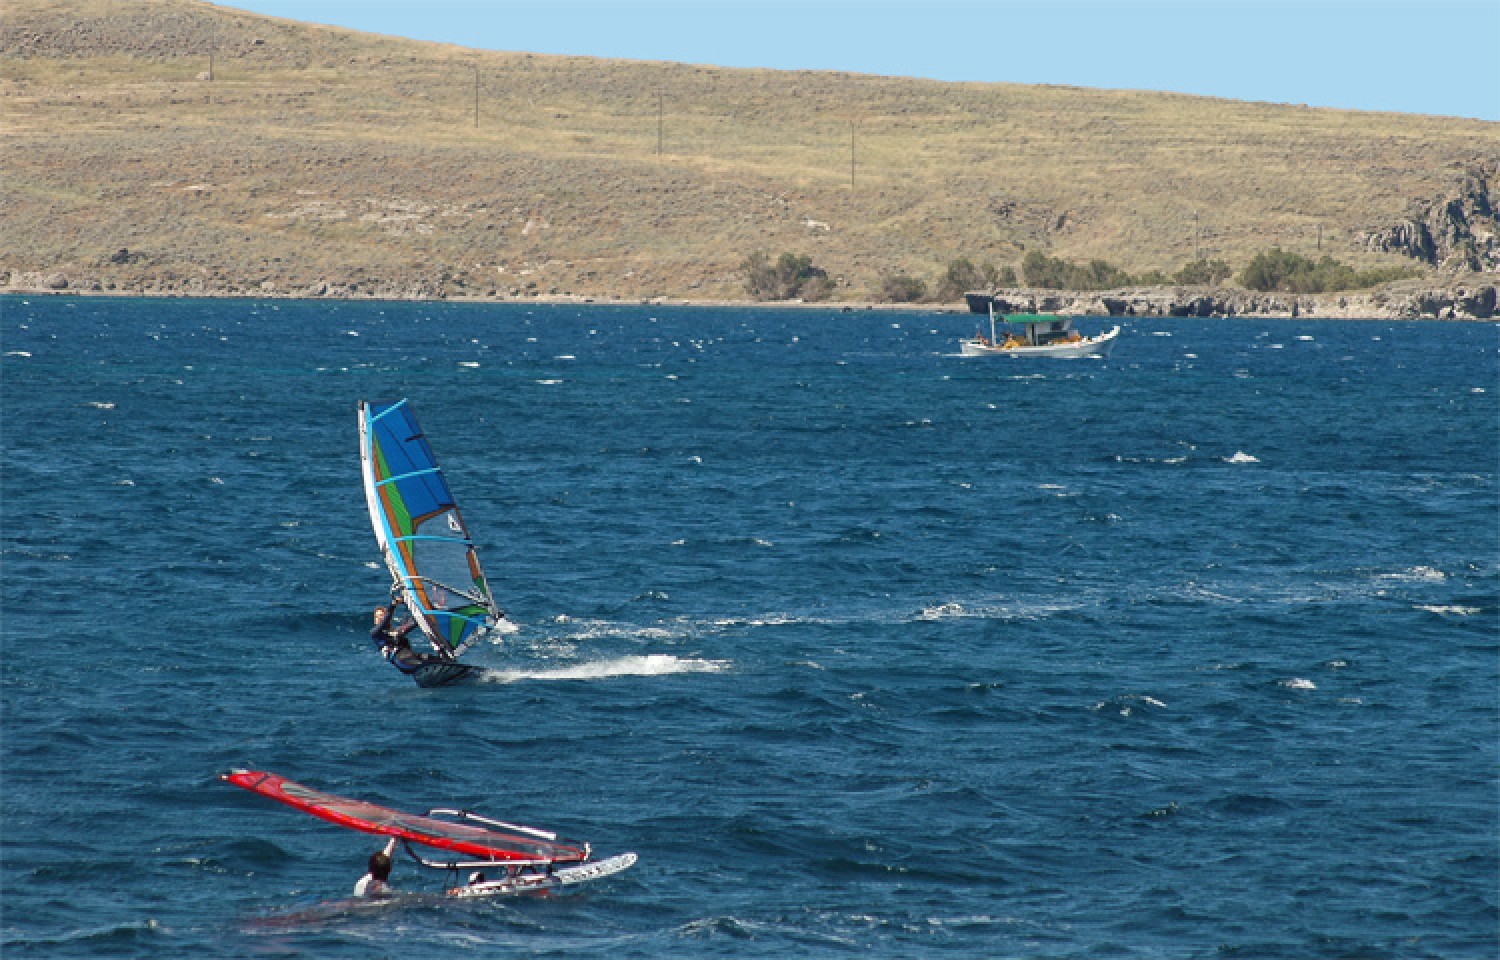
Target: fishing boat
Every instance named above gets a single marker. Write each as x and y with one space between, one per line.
1036 335
424 542
501 858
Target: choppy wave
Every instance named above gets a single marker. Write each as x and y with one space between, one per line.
1130 703
848 655
1417 574
647 665
1450 610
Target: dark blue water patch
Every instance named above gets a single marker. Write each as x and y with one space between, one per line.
862 646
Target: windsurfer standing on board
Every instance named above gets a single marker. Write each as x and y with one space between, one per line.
393 643
376 882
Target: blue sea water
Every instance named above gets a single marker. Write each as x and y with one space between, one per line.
865 648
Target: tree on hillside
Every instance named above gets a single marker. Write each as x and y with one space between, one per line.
902 288
1041 270
1287 272
790 277
963 276
1203 272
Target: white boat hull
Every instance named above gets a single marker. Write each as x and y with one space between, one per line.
1087 347
536 882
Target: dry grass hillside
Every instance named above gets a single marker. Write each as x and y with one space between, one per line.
314 158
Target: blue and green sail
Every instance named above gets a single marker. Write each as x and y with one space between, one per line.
422 535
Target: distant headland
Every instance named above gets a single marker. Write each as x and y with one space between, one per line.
180 148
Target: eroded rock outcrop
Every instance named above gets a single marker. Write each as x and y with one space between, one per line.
1460 231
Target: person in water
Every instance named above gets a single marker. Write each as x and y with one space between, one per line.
394 643
376 883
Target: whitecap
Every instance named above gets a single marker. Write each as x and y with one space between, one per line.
941 611
468 363
649 665
1298 683
1125 704
1451 610
765 620
549 383
1422 573
17 353
1241 456
100 405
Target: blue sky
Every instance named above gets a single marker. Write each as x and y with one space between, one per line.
1410 56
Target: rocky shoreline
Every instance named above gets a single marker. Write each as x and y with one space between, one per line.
1406 300
1477 299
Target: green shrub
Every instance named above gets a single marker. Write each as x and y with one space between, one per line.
1285 272
963 276
1053 274
902 288
790 277
1203 273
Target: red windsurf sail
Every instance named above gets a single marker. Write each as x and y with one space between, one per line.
428 831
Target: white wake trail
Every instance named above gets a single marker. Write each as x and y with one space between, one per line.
651 665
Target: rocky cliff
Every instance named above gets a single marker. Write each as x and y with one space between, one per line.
1456 231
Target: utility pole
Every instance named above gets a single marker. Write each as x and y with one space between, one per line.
476 94
661 122
852 124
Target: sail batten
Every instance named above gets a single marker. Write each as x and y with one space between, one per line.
423 538
406 476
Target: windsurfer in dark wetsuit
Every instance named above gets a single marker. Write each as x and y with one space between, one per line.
393 643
